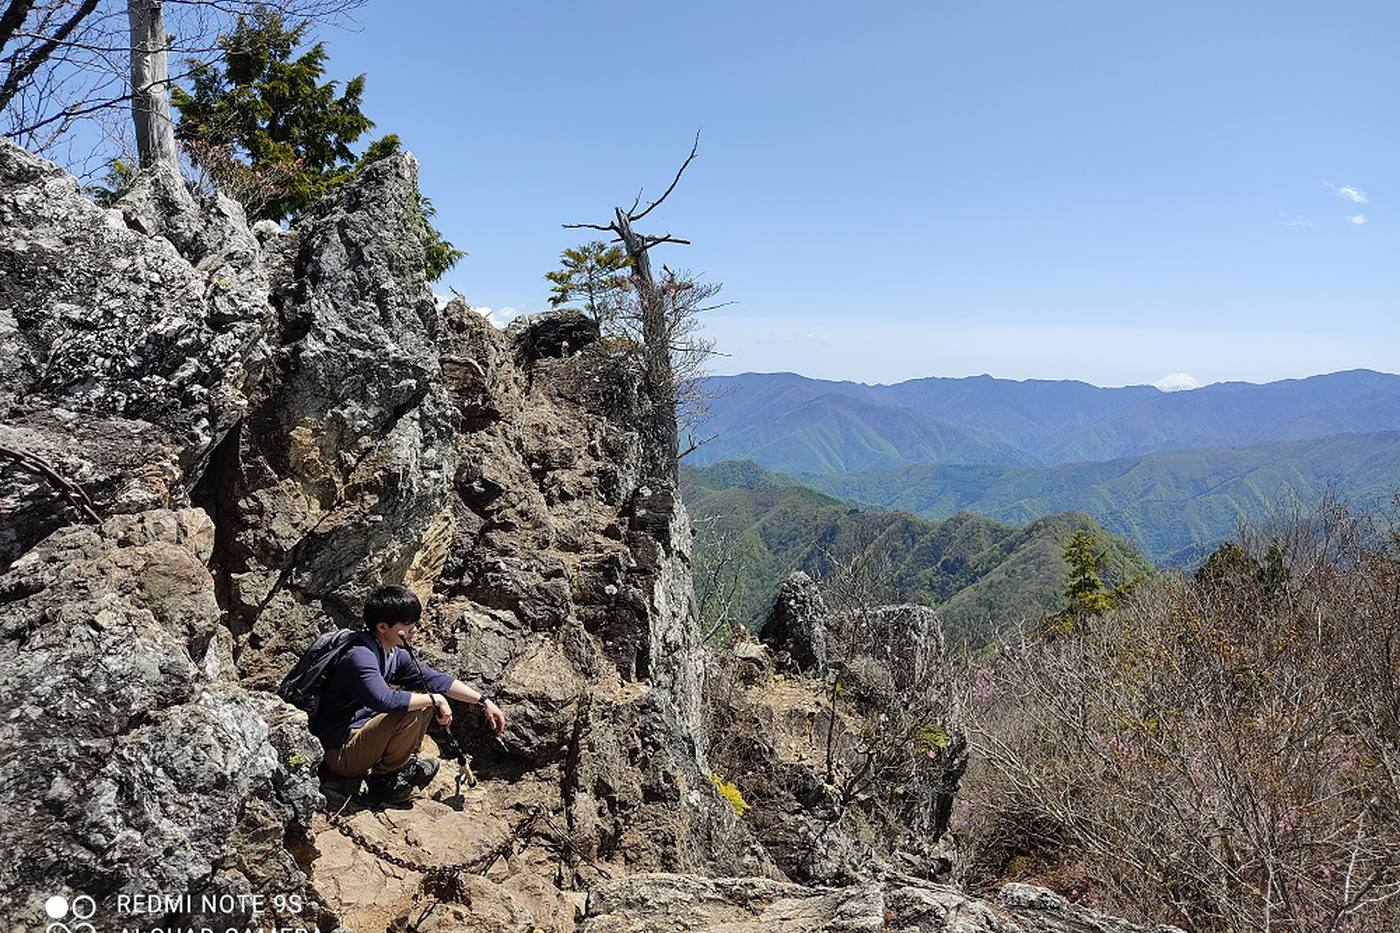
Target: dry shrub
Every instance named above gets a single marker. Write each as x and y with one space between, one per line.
1222 752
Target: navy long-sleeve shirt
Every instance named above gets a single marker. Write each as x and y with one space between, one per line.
361 686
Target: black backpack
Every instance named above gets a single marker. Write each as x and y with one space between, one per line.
303 686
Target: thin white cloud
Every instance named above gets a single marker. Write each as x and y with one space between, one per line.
499 316
1293 220
1357 218
1348 192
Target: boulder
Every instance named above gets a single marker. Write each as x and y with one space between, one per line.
552 334
634 793
137 770
797 623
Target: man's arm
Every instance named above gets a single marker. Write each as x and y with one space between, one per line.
447 685
494 717
369 685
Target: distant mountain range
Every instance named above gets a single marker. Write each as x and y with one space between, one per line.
814 426
980 573
1172 472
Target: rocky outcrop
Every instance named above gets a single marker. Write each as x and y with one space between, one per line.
339 478
271 423
797 623
906 905
635 794
130 760
124 361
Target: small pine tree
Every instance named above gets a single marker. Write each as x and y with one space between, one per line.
595 274
113 185
1084 589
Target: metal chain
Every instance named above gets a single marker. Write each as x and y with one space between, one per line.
378 850
445 882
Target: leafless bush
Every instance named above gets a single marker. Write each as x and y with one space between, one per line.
1223 750
718 569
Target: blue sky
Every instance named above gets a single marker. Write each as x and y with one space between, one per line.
1108 191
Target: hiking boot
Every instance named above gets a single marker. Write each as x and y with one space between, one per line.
337 789
387 788
421 771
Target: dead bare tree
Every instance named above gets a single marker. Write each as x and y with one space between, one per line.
657 325
150 83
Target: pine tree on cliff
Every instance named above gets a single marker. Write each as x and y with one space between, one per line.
596 274
269 132
270 106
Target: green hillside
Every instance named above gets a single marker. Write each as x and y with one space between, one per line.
981 573
837 433
1173 506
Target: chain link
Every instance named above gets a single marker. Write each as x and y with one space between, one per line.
446 882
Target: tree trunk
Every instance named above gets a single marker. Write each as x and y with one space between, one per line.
150 83
660 442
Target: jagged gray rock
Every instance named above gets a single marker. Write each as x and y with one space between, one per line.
634 793
900 904
339 477
797 623
124 361
136 770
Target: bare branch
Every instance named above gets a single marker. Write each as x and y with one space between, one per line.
649 241
13 18
695 445
672 187
41 54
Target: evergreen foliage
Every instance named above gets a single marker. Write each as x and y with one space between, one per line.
266 129
113 185
595 274
1084 588
270 105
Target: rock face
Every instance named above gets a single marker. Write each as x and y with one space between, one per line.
126 748
124 362
339 477
907 905
797 623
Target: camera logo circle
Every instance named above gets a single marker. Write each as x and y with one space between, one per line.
58 907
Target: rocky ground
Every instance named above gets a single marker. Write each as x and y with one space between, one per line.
215 439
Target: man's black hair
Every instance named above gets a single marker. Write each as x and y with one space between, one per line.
391 605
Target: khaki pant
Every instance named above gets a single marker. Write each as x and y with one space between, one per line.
386 743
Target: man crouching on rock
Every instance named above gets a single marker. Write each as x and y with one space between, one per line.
368 719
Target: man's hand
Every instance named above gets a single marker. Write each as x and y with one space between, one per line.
494 717
444 710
